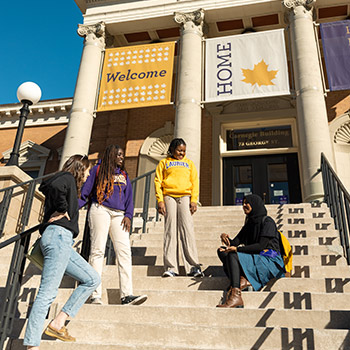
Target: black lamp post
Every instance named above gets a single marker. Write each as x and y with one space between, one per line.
28 93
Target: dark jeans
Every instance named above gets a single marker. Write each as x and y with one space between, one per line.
232 267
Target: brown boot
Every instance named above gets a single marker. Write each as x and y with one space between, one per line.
244 283
234 299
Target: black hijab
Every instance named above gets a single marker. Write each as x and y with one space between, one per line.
254 219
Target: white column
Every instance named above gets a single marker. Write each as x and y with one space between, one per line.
311 107
82 113
188 118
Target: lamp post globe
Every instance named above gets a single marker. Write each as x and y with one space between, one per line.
28 93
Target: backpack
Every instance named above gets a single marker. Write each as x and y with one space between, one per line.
286 251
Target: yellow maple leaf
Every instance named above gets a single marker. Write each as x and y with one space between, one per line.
259 74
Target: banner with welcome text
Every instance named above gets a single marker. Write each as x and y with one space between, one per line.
246 66
136 76
336 48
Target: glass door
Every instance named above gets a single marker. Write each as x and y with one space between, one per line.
275 178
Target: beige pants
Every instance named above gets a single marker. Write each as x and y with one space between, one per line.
178 227
102 221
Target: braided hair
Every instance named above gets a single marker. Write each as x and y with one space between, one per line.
106 174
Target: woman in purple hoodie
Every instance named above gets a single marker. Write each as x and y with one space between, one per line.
111 211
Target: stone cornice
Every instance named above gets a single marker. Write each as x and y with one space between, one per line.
139 10
43 113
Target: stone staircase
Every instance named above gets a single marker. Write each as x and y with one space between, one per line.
310 310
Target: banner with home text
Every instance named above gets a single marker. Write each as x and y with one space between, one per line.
336 48
136 76
246 66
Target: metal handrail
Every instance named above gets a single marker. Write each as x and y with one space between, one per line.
21 243
146 195
29 196
9 303
338 199
8 307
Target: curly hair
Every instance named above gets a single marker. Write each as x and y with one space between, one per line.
174 144
77 165
105 178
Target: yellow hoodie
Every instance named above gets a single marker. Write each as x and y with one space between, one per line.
176 178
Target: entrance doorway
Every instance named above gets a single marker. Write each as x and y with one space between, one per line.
275 178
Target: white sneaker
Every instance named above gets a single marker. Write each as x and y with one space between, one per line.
96 301
196 272
134 300
169 273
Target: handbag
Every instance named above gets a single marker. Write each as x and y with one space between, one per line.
35 254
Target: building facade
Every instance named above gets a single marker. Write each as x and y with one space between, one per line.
302 125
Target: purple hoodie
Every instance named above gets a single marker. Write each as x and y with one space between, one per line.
119 200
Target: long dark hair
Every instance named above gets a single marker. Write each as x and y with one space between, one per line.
77 165
174 144
105 178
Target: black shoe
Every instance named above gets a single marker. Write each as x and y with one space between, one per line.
196 272
134 300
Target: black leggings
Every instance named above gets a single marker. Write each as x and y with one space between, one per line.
232 267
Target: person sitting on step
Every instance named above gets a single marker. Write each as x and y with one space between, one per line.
253 257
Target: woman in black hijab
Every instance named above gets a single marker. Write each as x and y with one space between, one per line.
253 257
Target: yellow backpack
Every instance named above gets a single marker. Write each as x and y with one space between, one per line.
286 251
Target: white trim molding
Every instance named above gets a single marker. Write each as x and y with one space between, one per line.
43 113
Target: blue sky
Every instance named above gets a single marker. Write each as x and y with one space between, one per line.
40 44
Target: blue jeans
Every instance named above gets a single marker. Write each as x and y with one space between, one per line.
59 258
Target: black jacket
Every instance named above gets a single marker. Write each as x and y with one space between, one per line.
61 195
268 238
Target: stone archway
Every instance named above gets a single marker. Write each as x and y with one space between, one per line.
339 130
153 149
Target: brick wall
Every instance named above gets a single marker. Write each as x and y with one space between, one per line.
337 102
130 128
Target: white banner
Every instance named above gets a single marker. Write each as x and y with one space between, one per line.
246 66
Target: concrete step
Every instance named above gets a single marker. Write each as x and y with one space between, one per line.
202 316
232 230
210 247
215 242
184 336
205 260
203 235
322 285
210 298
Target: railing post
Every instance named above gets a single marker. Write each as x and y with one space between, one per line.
343 225
146 202
4 208
13 287
85 247
338 198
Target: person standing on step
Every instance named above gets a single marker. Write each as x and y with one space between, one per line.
177 189
59 227
253 257
109 189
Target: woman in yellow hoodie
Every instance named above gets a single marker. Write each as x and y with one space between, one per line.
177 190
